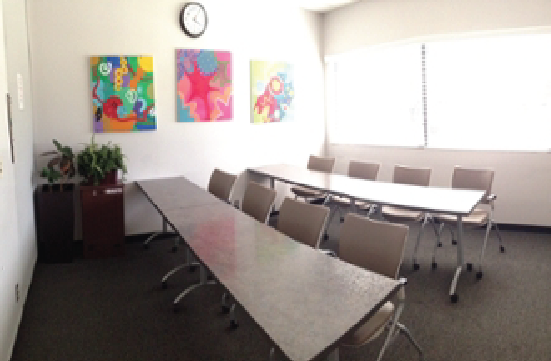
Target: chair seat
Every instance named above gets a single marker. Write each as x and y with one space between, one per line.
306 192
372 328
479 217
401 214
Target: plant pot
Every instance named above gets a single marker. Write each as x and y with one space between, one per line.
54 208
110 178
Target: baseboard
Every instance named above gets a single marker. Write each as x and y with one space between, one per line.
524 228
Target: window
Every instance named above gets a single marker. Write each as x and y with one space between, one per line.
375 97
490 93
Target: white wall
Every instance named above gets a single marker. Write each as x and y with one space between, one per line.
17 240
64 33
522 179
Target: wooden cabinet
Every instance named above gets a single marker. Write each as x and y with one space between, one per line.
54 210
102 220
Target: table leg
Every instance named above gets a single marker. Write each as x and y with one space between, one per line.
176 242
353 206
154 235
203 280
189 263
272 185
453 294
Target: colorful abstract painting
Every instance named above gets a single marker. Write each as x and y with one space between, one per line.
272 92
204 85
123 94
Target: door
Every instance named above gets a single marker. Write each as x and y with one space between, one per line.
8 220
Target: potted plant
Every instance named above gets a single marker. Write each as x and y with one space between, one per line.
99 164
101 199
61 167
54 205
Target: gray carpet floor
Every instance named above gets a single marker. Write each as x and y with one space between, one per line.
114 309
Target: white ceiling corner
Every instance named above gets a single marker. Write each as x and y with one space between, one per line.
323 5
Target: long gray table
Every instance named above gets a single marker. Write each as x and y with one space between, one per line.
459 202
304 301
175 192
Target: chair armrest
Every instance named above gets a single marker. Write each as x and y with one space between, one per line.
328 252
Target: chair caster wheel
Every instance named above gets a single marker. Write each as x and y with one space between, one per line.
192 269
342 219
164 286
454 242
479 275
146 246
176 308
502 249
233 324
174 249
416 266
469 267
439 244
434 265
225 309
454 298
325 237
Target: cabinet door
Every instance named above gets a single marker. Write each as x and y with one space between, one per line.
102 221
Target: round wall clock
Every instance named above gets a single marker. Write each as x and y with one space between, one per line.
193 19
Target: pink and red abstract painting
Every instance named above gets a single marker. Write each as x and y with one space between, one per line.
204 85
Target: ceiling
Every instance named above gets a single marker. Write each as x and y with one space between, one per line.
323 5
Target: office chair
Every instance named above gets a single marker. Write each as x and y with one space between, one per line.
378 247
319 164
302 222
356 169
476 179
413 176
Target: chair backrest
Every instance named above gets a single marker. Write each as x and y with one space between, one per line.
321 164
373 245
258 201
304 222
363 170
221 184
411 175
477 179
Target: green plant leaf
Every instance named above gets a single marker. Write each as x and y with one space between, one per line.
58 146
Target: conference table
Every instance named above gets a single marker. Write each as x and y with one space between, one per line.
458 202
304 300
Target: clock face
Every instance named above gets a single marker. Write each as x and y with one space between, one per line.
193 19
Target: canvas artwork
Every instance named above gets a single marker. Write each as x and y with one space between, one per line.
123 94
204 85
272 92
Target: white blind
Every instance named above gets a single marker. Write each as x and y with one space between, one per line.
491 93
375 97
